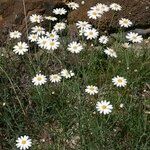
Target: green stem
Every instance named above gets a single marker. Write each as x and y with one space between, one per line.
11 82
112 19
42 102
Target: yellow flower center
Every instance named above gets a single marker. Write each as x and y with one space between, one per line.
94 13
134 37
119 80
39 30
90 33
23 142
92 88
44 42
125 22
20 47
74 47
39 78
55 77
51 35
52 44
103 107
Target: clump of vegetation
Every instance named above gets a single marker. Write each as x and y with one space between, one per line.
79 90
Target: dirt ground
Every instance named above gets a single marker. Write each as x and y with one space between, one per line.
136 10
12 14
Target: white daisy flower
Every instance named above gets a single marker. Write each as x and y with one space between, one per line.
81 32
59 26
36 18
125 22
23 142
52 35
39 79
91 89
59 11
83 25
67 74
121 105
73 5
38 30
103 39
110 52
93 14
55 78
52 44
50 18
75 47
33 37
102 7
82 2
20 48
97 10
91 33
126 45
134 37
15 35
115 7
119 81
104 107
42 41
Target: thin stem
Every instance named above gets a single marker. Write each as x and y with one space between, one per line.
57 58
25 14
112 19
13 90
42 102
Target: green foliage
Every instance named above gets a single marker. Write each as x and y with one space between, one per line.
62 114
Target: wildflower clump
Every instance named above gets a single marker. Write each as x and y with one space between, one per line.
75 80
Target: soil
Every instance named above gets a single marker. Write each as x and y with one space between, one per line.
138 11
12 16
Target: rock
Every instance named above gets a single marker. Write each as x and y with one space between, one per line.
138 11
142 31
